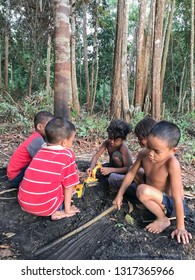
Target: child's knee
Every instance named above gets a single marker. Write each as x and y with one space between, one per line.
142 192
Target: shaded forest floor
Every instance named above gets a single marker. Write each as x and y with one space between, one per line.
27 237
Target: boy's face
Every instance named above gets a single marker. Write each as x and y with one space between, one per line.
67 143
158 149
41 126
142 142
115 142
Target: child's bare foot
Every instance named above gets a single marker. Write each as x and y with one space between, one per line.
158 225
58 215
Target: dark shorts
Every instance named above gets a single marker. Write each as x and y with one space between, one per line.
169 206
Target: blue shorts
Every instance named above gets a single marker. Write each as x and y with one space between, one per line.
169 206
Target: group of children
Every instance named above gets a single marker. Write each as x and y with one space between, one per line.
44 169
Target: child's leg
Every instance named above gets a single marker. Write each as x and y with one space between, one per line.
116 159
152 198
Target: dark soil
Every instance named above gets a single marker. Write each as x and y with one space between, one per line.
27 237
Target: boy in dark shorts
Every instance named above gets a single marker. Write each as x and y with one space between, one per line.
162 193
23 155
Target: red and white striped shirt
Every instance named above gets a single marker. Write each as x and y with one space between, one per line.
41 191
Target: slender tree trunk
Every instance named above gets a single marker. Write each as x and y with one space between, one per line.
85 54
166 48
30 79
75 99
156 90
62 83
95 56
124 78
192 103
116 97
48 63
181 88
140 63
7 43
149 59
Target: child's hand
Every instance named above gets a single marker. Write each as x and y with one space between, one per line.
182 235
118 202
105 170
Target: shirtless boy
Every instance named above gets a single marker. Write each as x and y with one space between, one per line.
162 194
120 158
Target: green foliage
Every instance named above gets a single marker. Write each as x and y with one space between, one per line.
92 126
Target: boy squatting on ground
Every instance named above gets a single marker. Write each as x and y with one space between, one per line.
47 187
23 155
162 194
120 158
142 129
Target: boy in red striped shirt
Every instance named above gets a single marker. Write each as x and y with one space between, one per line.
47 187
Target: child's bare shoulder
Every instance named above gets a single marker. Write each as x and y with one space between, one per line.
172 162
142 154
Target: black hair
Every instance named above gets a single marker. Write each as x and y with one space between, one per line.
144 126
41 117
167 131
118 129
58 129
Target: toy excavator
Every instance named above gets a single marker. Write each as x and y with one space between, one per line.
90 181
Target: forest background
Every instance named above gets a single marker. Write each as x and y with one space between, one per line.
92 61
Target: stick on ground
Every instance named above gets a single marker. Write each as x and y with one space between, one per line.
104 213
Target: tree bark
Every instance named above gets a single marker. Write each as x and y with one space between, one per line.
119 106
75 99
85 54
140 63
166 48
192 103
62 82
157 54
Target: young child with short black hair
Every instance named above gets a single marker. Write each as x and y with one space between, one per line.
120 158
48 184
23 155
162 193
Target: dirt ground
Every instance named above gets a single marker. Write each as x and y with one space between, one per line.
112 237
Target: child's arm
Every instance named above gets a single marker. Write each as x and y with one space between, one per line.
68 208
96 156
177 195
128 180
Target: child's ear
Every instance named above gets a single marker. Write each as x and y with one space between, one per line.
63 143
175 150
39 126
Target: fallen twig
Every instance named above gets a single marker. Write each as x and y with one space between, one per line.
104 213
10 190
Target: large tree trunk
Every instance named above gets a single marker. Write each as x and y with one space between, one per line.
118 108
140 63
62 86
192 60
156 90
75 99
149 59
